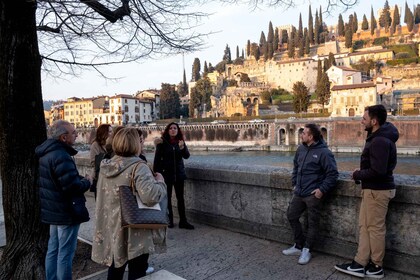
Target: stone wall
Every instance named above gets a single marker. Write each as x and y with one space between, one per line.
254 200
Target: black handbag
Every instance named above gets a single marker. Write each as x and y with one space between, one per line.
79 212
134 217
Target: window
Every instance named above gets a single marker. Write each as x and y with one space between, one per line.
126 109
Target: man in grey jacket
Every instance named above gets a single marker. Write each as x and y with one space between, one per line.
314 174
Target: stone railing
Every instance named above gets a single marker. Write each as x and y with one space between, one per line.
254 200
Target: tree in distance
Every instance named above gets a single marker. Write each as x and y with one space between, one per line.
300 97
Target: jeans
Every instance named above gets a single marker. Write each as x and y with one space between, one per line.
61 248
372 228
296 208
136 269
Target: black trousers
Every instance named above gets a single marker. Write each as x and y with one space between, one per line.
136 268
295 210
179 192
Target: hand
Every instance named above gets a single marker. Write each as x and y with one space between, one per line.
181 144
357 169
318 193
89 178
159 177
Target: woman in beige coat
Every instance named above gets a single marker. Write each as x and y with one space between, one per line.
115 246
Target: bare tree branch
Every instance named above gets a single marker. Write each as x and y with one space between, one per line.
112 16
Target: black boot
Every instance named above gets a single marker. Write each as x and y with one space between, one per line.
186 225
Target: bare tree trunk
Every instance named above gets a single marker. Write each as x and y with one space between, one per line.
22 128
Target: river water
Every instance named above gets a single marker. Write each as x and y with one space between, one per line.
407 164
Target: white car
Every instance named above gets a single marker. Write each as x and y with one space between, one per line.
257 121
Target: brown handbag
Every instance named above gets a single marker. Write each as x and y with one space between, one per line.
134 217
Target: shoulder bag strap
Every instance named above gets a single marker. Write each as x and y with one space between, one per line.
132 182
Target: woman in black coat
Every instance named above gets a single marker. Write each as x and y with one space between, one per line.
169 155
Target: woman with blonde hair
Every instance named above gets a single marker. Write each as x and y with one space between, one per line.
115 246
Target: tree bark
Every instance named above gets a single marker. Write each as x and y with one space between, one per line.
22 128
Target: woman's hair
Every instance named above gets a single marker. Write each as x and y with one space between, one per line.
102 134
108 145
178 137
126 142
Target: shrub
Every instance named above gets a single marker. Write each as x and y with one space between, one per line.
380 41
402 55
358 44
403 61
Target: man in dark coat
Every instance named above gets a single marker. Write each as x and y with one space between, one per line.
61 188
314 174
377 163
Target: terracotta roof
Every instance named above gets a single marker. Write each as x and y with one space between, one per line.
347 68
122 96
343 87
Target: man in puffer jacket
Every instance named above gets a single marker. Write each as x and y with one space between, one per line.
60 188
314 174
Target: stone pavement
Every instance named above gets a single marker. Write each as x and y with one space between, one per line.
219 254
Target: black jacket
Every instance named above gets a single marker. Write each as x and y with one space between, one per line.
169 160
379 158
314 167
59 182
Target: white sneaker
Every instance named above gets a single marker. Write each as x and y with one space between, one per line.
150 270
305 256
292 251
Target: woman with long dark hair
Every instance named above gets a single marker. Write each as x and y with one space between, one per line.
170 152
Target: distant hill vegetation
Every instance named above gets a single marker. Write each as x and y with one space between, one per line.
47 104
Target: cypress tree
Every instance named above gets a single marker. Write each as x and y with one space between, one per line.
263 42
406 12
349 36
372 21
248 48
410 21
242 56
307 45
276 40
355 23
302 47
310 26
291 47
196 70
340 26
365 23
331 59
319 71
300 32
284 36
237 51
316 30
385 18
270 39
205 69
417 14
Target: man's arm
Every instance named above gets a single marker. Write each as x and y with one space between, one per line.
379 154
329 166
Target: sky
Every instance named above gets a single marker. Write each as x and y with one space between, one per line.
232 25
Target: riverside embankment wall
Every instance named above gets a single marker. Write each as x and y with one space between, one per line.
254 200
341 134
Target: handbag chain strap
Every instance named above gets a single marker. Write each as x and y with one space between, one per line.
133 173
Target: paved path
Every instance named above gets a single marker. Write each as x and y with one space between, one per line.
217 254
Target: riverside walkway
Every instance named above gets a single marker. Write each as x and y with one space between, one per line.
217 254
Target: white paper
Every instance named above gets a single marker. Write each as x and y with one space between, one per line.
142 206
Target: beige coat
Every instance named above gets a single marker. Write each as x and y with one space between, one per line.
110 241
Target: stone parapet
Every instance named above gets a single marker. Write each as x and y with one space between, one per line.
254 199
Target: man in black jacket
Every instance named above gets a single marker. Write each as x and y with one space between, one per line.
314 174
61 188
377 163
